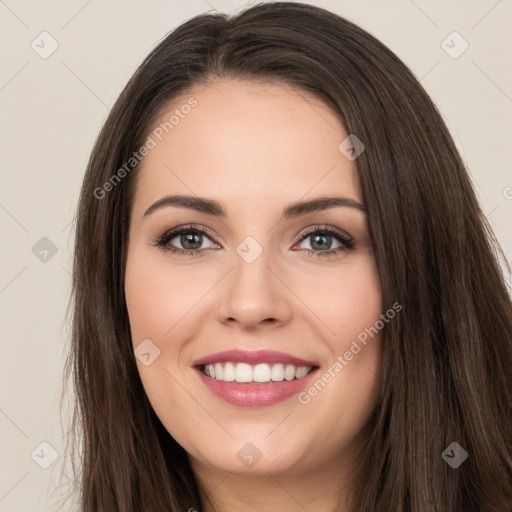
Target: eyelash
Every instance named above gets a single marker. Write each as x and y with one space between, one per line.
346 241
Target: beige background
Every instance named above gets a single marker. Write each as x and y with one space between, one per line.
52 109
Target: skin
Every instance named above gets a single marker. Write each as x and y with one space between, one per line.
256 148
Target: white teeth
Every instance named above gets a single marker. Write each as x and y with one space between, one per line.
228 374
289 372
262 373
277 372
243 372
300 372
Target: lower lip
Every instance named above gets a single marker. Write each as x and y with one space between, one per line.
255 394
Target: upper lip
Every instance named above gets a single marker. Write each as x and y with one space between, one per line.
252 357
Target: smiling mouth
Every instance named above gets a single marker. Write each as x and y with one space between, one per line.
258 373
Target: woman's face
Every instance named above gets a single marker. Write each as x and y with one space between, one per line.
254 284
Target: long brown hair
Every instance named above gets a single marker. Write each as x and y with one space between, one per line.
447 360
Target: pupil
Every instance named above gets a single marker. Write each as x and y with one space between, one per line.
192 238
320 246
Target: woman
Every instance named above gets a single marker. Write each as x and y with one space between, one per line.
285 292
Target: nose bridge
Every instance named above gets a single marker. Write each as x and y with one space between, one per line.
252 292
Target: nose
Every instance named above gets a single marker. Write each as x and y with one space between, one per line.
253 296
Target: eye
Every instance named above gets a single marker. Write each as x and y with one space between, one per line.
189 237
192 237
321 241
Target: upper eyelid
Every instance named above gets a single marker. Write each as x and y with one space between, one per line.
313 229
308 231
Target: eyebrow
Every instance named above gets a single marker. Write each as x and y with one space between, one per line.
212 207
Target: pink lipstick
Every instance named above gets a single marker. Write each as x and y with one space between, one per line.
254 378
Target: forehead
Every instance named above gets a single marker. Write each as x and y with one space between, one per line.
263 144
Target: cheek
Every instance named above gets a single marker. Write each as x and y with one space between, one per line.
160 307
351 308
347 300
158 297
